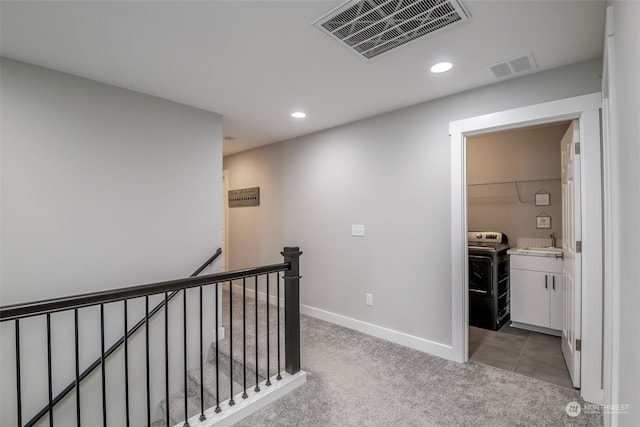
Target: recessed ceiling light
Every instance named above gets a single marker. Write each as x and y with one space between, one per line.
298 115
441 67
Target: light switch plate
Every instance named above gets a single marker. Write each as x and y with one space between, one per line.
357 230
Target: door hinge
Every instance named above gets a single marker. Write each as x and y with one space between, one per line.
578 345
577 145
579 246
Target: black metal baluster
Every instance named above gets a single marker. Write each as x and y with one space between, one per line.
279 377
18 382
126 363
217 352
166 355
184 334
268 383
49 374
231 401
77 361
257 389
244 338
68 304
202 417
146 337
102 368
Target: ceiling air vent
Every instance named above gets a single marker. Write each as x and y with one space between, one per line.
511 67
372 27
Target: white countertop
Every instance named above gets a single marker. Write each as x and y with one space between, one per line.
540 252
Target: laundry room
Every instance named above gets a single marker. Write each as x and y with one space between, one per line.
513 177
515 214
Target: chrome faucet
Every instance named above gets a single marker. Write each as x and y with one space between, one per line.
553 239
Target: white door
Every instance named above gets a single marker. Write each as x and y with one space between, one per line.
572 265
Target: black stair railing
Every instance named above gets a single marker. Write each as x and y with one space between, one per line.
290 268
53 401
292 310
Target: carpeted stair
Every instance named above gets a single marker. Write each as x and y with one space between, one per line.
227 365
251 333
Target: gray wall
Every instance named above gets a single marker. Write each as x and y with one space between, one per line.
626 151
391 173
101 188
508 155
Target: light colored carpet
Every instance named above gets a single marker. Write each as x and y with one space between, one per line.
176 400
358 380
249 320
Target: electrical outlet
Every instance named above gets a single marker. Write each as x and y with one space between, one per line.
369 299
357 230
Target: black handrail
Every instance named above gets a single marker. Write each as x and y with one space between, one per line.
290 267
16 311
34 308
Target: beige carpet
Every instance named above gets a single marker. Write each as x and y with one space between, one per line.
358 380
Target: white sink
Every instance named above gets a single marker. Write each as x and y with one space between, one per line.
553 251
550 250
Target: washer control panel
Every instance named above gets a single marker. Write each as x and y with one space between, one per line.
484 236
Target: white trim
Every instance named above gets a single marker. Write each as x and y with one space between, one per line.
262 296
230 415
586 108
611 227
417 343
225 219
220 334
591 277
536 328
225 248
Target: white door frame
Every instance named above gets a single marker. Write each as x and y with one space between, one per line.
586 108
224 262
612 228
225 219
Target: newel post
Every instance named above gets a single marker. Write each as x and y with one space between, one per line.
292 310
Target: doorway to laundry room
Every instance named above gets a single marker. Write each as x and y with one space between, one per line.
515 239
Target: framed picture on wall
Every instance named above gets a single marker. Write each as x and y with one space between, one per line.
542 199
543 221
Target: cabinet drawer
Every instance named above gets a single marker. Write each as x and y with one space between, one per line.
536 263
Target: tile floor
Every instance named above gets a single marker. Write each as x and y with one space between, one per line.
528 353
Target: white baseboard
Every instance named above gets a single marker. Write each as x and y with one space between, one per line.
417 343
535 328
262 296
220 334
230 415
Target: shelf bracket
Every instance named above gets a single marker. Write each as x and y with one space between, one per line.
518 191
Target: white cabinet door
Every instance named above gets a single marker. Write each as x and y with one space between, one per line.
530 297
555 301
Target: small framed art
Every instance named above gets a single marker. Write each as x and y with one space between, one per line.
543 221
542 199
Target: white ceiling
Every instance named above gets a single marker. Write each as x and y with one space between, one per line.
255 62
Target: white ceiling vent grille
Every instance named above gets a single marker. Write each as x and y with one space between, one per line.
373 27
511 67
